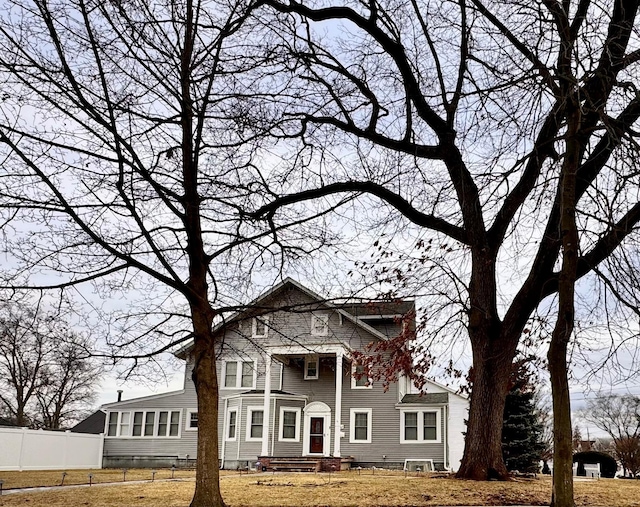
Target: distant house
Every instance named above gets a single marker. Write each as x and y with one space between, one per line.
288 395
93 424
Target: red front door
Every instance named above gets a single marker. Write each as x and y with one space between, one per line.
316 435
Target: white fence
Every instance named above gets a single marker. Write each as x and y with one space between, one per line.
24 449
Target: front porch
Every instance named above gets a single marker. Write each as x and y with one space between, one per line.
303 463
318 429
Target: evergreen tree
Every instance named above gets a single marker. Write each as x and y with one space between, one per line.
522 431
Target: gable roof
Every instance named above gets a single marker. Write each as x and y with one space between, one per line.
93 424
369 309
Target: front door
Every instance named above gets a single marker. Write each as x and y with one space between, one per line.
316 435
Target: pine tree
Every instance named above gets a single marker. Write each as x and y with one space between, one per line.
522 432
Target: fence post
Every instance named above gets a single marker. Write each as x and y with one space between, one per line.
67 433
100 450
23 435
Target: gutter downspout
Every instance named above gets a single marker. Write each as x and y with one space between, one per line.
446 438
224 432
239 434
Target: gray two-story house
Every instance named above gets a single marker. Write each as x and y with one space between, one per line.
291 391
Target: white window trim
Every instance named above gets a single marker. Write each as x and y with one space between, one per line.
281 437
238 374
226 425
353 378
322 317
187 420
156 422
250 411
118 423
352 425
307 359
254 326
421 439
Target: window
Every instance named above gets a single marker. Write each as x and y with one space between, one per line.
124 423
232 423
260 327
163 421
239 374
247 374
429 426
363 382
254 424
231 374
192 420
147 423
311 367
420 426
289 424
168 421
118 424
320 325
137 424
112 429
411 425
360 426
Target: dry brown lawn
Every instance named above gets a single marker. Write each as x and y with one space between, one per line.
340 490
30 479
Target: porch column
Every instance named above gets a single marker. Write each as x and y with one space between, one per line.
337 431
267 405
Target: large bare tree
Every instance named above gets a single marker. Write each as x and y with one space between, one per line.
47 377
128 156
504 134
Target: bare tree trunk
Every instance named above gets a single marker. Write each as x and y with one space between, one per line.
482 457
492 358
207 492
562 494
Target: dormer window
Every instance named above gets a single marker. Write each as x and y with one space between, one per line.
260 327
311 367
319 324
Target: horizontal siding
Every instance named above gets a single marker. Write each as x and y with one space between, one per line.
287 329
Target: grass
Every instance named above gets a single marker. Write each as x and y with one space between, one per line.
30 479
338 490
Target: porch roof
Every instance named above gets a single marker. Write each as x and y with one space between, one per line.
426 399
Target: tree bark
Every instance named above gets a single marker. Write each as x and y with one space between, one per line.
207 491
482 459
493 354
562 493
